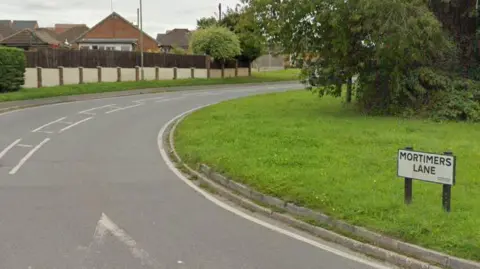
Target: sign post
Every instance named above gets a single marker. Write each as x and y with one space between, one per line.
429 167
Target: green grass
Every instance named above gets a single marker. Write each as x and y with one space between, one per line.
321 154
36 93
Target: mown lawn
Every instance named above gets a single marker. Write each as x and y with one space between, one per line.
321 154
36 93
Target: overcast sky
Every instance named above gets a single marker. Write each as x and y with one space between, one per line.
158 15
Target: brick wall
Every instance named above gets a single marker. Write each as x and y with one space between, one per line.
116 27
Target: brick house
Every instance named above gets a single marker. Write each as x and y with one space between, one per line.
31 39
115 33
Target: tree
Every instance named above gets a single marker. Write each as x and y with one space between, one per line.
241 21
380 41
177 50
206 22
218 42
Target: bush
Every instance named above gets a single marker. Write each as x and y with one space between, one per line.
12 69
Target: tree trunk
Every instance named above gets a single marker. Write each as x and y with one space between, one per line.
349 90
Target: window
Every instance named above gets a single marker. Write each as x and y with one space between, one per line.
125 48
94 47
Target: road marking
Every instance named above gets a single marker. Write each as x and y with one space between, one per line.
239 213
29 154
169 99
105 224
95 108
123 108
24 146
148 99
50 123
74 124
9 148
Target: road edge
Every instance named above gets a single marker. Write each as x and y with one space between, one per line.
353 237
9 106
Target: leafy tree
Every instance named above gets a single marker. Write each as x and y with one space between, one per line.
380 41
177 50
206 22
241 21
218 42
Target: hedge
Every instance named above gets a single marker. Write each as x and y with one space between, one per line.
12 69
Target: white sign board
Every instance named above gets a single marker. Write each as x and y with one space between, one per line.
426 166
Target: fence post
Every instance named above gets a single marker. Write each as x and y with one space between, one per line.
39 77
207 62
119 74
99 73
236 68
157 73
175 75
137 73
80 75
60 75
192 72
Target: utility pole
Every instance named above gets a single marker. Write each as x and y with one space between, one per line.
219 12
138 17
141 41
111 5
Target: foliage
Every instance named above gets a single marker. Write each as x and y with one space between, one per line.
178 50
241 21
206 22
12 69
385 43
218 42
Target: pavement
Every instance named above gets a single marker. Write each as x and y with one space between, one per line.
83 185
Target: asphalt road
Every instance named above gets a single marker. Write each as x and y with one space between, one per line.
83 185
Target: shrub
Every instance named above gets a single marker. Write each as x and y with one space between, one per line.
12 69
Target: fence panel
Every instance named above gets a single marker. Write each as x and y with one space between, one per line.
53 58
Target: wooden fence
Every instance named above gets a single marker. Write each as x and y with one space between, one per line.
53 58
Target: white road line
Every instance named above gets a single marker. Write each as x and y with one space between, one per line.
46 132
29 154
148 99
24 146
50 123
123 108
106 224
9 148
95 108
74 124
169 99
227 207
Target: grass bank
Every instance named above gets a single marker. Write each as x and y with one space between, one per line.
36 93
320 154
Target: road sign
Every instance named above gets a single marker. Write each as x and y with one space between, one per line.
429 167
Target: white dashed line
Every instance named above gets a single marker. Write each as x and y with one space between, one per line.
29 154
123 108
74 124
95 108
9 148
50 123
24 146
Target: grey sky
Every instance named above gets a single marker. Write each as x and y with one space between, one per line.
158 15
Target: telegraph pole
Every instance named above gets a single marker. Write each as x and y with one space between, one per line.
219 12
141 40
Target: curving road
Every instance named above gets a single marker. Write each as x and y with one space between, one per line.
83 185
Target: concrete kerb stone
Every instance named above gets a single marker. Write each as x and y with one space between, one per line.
385 248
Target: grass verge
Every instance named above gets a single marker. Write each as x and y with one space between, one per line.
321 154
36 93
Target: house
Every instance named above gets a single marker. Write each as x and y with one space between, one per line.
63 27
115 33
29 39
21 25
69 36
174 38
5 28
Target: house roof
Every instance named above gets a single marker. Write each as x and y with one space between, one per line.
177 36
63 27
20 25
108 40
30 37
5 30
73 33
113 14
